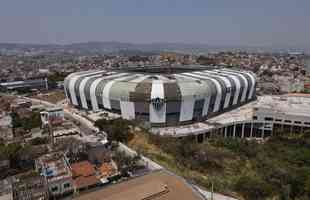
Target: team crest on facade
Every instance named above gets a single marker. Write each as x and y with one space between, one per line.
157 103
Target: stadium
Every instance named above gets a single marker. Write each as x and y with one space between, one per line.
161 96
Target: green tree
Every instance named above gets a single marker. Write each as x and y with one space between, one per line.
16 121
124 162
116 129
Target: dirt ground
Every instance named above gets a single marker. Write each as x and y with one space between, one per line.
52 97
144 186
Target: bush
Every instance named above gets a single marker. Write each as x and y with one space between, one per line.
125 163
276 169
34 121
253 188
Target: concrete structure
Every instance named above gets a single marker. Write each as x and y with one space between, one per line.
26 84
162 96
56 170
67 128
29 185
6 191
52 116
4 163
20 104
6 132
259 119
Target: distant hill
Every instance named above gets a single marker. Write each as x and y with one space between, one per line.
116 47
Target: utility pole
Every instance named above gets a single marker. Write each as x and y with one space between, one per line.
212 190
288 191
46 83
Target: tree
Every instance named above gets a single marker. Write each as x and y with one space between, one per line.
56 77
16 122
124 162
34 121
116 129
253 188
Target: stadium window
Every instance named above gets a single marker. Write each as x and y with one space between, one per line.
153 77
268 118
278 120
287 121
254 117
297 122
307 123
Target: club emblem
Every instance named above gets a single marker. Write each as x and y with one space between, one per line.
157 103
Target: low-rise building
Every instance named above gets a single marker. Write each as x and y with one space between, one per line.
20 104
84 176
65 129
52 116
25 85
4 164
264 117
56 170
6 133
99 154
6 191
107 170
30 186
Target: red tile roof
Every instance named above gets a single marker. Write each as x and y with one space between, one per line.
107 169
82 182
83 168
84 174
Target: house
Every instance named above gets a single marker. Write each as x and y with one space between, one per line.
96 148
84 176
99 154
52 116
107 170
20 104
4 164
6 192
56 170
6 133
30 185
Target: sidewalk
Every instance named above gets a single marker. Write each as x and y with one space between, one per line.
216 196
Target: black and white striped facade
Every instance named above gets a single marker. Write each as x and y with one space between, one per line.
161 99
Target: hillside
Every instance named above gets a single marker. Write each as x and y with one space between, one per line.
244 169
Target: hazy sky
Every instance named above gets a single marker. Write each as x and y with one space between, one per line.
217 22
